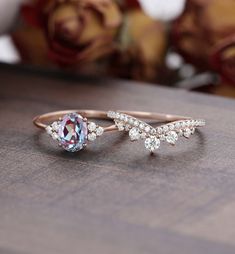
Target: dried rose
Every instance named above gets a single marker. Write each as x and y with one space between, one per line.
204 34
32 46
223 59
129 4
143 47
78 31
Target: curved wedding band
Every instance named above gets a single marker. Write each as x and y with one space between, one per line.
73 128
170 132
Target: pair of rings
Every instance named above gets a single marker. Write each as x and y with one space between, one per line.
73 129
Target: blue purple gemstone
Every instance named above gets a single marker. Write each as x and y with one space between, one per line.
73 132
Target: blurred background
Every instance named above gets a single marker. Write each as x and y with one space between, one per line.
188 44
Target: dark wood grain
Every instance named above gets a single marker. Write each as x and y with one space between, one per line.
114 197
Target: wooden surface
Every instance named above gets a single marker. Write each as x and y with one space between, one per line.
114 198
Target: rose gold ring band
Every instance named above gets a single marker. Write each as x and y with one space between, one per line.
42 121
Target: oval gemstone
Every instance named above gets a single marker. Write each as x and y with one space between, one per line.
73 132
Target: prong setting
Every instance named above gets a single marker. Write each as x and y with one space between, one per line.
94 131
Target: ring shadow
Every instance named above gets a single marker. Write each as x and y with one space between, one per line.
65 154
181 157
163 160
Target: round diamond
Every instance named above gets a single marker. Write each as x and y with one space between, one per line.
91 126
126 118
122 117
99 131
134 134
153 131
55 136
180 133
127 127
136 123
49 130
172 137
91 136
111 114
192 130
177 125
73 132
141 126
120 126
187 132
131 121
147 128
55 126
165 128
171 127
159 130
152 143
143 135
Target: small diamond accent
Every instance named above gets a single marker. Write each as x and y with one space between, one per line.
131 121
165 128
192 130
91 126
120 126
152 143
187 132
136 123
49 130
127 127
55 126
91 136
55 136
183 124
99 131
159 130
172 137
147 128
171 127
180 133
153 131
111 114
177 125
134 134
141 126
122 117
188 123
162 137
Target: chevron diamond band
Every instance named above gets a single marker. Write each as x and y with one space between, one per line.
169 132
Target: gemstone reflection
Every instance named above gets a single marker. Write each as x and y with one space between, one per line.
73 132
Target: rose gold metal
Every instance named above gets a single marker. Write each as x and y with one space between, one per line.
42 121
